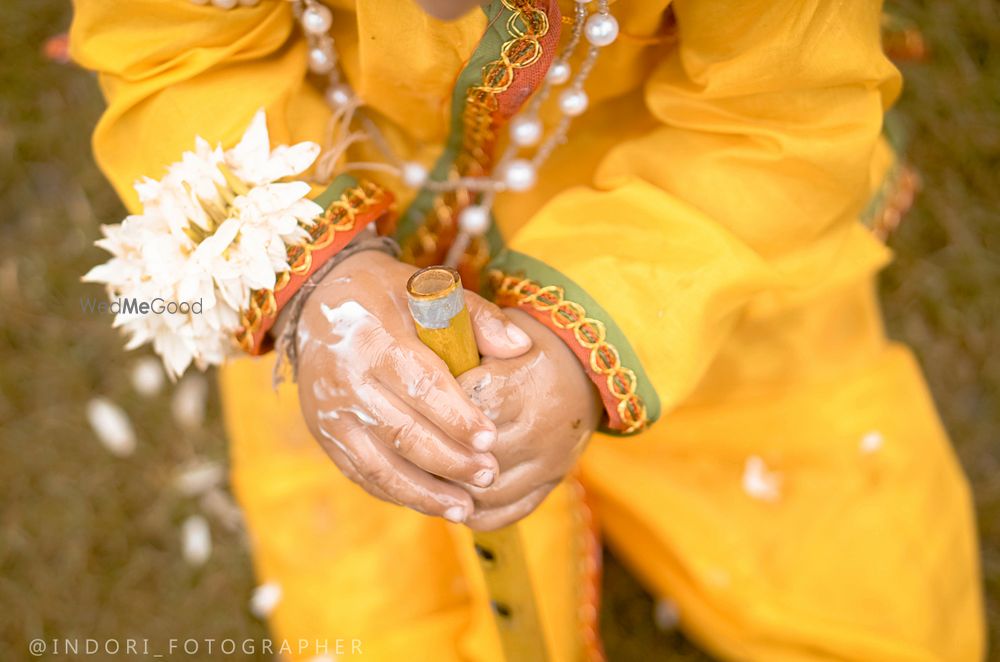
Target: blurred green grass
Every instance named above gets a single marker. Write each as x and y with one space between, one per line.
90 544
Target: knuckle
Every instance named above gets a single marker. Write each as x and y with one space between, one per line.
425 384
375 473
488 309
404 438
371 341
379 494
392 356
349 472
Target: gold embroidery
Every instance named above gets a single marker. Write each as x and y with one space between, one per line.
526 26
589 333
338 217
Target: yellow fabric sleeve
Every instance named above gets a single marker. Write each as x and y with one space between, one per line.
171 70
747 191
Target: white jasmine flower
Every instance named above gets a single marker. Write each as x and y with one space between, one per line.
214 228
253 160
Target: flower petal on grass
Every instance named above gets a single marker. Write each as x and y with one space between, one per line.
199 478
147 376
188 404
112 426
196 540
264 599
220 505
666 615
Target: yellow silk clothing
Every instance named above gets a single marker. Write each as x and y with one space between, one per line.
796 497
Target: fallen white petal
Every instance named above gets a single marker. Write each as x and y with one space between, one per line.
188 406
147 376
759 482
196 540
666 616
221 506
112 426
264 599
871 442
198 478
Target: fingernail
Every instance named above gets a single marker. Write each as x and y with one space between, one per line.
517 336
483 439
455 514
483 478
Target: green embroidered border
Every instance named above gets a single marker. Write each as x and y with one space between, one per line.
487 51
514 263
332 192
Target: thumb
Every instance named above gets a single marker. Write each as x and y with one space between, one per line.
496 388
496 335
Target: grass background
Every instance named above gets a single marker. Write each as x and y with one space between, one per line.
90 544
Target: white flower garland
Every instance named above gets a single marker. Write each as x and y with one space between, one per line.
214 228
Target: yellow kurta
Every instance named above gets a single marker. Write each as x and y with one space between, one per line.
797 498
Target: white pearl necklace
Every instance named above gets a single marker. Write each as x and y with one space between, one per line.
512 171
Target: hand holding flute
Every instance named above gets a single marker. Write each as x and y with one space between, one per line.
388 412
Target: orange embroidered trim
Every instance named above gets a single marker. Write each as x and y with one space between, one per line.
333 230
897 199
482 116
586 337
528 25
590 568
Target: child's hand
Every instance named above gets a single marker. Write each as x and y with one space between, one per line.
381 404
545 409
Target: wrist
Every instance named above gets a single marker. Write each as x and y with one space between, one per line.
366 259
365 244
